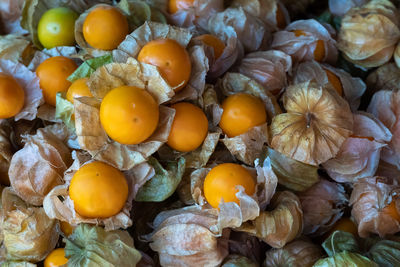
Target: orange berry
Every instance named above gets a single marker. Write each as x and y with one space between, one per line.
345 224
189 129
176 5
66 228
129 115
392 211
221 182
213 42
105 27
98 190
78 88
172 60
53 74
335 81
56 258
363 137
12 96
319 50
241 113
280 18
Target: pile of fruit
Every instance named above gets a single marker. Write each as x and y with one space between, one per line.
199 133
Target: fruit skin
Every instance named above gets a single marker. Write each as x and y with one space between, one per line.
241 113
319 50
56 27
12 96
189 129
214 42
176 5
78 88
129 115
222 180
335 81
56 258
105 27
98 190
172 60
346 225
53 74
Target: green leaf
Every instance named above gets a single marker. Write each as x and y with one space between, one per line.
238 261
92 246
89 66
385 253
164 183
345 259
65 111
340 241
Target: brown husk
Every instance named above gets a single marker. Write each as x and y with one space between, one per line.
15 47
341 7
5 152
10 12
386 77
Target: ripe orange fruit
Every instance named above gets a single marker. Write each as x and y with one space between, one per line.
66 228
392 211
56 258
214 42
12 96
176 5
189 129
319 50
220 183
129 115
98 190
345 224
105 27
335 81
241 113
53 74
171 58
363 137
280 18
78 88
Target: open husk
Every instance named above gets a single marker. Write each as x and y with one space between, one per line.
315 126
280 225
16 48
28 233
39 166
369 34
323 205
10 12
369 197
301 48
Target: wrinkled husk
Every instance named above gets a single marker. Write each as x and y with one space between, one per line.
34 9
249 30
238 261
396 55
341 7
246 245
299 253
369 197
368 34
15 48
196 17
323 205
297 6
5 152
89 66
387 170
347 259
385 105
359 155
138 11
10 12
39 166
92 246
29 83
340 241
65 111
266 10
268 68
301 48
386 77
58 204
291 173
189 237
231 214
28 233
385 253
11 263
353 88
279 226
315 126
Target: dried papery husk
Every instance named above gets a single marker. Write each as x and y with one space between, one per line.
10 12
385 107
197 15
280 225
386 77
29 83
249 30
315 126
234 260
396 55
298 253
387 170
39 165
21 128
188 236
268 68
266 10
210 103
368 198
323 205
301 48
138 11
15 47
341 7
359 155
345 258
369 34
58 205
28 233
246 245
353 88
10 263
6 152
297 6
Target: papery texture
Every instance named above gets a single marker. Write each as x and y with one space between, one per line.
386 77
341 7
